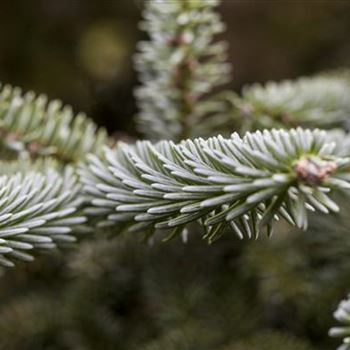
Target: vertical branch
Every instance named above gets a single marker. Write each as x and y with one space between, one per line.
178 67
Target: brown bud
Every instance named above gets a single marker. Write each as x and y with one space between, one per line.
177 40
312 172
12 136
33 147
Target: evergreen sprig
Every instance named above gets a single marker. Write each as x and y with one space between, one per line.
320 101
242 183
38 211
40 207
33 125
178 67
342 315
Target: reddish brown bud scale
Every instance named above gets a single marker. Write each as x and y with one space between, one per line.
12 136
33 147
314 173
177 40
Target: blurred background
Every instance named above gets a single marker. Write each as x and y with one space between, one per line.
81 51
119 294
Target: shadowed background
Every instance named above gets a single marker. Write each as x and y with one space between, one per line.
80 51
120 294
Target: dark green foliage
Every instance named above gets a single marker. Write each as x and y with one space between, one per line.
120 294
270 341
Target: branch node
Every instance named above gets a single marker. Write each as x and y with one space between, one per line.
314 171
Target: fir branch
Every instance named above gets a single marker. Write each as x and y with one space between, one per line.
320 101
342 315
178 67
242 183
38 211
32 125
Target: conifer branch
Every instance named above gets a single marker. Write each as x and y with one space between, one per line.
321 101
178 67
342 315
239 183
38 211
32 125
